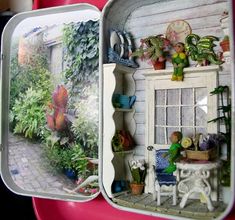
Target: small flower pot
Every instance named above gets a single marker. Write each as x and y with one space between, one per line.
225 45
157 65
136 189
70 174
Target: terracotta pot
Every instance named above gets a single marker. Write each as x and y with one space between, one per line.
136 189
157 65
225 45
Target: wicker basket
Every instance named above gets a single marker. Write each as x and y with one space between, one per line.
201 155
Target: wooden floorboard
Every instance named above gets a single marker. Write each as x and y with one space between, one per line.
194 208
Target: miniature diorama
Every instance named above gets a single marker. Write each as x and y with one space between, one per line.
176 107
53 108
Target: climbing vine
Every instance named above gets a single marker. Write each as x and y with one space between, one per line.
81 54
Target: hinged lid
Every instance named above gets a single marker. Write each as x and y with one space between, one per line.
50 103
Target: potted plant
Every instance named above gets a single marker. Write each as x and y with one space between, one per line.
225 44
138 173
74 161
153 48
201 148
122 141
225 117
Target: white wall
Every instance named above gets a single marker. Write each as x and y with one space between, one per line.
204 18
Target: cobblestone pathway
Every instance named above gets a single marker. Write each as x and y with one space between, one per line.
29 169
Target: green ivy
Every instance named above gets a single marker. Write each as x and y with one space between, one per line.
81 54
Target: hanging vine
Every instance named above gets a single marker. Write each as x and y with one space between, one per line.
81 55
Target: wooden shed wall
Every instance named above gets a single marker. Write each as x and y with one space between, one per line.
204 19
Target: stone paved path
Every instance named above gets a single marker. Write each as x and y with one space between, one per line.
30 170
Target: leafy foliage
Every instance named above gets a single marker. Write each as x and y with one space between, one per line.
225 117
201 49
29 113
152 48
81 43
72 157
26 76
56 118
85 125
138 171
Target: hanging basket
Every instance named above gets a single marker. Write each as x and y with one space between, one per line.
201 155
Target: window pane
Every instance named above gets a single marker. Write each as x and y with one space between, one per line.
159 135
173 97
187 116
201 130
160 116
201 116
160 97
172 116
201 96
187 97
188 132
169 132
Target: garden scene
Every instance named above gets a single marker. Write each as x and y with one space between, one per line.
53 115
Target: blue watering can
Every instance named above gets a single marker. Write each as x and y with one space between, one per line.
123 101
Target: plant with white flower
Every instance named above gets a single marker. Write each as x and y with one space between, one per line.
138 171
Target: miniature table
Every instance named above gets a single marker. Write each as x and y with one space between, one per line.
193 177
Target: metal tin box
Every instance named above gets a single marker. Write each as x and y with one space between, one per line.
58 110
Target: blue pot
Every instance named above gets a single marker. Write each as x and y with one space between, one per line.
70 174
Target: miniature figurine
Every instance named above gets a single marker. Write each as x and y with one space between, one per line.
179 60
174 151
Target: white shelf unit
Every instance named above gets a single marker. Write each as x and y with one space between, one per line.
117 79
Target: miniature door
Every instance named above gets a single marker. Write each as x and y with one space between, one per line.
50 107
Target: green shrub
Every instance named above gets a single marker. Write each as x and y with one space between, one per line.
78 160
29 113
71 157
24 76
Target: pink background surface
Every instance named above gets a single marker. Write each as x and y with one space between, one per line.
97 209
